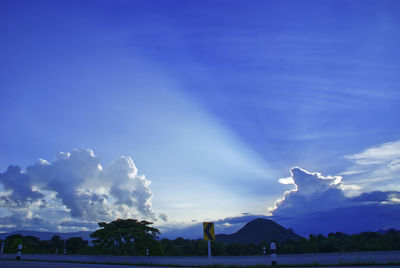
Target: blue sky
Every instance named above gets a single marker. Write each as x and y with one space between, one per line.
213 102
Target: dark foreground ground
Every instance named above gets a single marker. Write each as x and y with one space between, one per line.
383 257
37 264
23 264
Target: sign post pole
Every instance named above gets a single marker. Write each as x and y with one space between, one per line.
273 254
19 252
209 249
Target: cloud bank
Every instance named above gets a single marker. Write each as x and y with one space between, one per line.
317 204
77 190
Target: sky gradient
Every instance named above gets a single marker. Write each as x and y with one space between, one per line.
184 111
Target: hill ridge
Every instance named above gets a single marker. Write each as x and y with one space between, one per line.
259 230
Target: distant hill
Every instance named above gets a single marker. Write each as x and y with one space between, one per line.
49 235
257 231
387 230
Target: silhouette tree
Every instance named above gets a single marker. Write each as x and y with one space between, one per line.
75 244
56 243
128 236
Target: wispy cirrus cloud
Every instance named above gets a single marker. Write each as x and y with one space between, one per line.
373 166
386 153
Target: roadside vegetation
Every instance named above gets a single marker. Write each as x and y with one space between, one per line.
137 238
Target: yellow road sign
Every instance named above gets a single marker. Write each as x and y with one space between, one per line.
208 230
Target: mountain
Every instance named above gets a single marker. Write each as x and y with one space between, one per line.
259 230
49 235
387 230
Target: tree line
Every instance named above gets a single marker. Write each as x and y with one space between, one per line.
139 238
340 242
333 242
32 244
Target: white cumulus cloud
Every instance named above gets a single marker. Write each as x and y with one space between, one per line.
18 186
312 192
76 186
